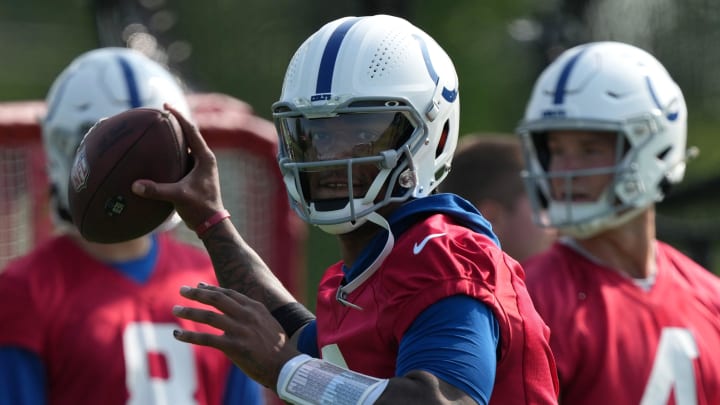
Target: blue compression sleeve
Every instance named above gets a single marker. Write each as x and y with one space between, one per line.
241 390
456 340
307 341
22 377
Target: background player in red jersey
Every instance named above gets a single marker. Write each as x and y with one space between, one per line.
633 321
424 307
88 323
486 171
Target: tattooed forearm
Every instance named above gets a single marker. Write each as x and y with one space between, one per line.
239 267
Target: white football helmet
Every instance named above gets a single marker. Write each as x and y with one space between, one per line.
98 84
395 87
614 87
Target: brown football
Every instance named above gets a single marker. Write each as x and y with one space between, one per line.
141 143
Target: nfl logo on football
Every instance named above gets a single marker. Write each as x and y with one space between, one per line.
79 172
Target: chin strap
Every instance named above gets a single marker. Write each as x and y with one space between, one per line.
346 289
594 227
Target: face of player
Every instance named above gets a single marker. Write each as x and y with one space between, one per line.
343 141
575 157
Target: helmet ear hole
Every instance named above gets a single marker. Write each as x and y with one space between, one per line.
443 139
665 186
664 153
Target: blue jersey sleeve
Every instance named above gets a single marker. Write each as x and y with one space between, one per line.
22 377
307 341
456 340
241 390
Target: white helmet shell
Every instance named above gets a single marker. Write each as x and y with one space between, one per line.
614 87
98 84
366 65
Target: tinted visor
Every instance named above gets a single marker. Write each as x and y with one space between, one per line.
345 136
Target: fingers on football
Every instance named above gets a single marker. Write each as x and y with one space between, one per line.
197 144
156 191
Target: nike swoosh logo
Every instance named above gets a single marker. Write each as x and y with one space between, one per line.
418 247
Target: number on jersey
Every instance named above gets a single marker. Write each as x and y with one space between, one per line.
673 369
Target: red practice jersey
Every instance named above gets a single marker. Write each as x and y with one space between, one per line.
617 343
417 274
104 338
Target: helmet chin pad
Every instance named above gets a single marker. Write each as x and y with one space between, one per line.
330 204
328 209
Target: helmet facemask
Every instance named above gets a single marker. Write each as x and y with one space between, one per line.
613 88
625 196
554 203
376 69
364 149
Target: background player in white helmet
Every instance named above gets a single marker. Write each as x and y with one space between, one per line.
424 306
633 320
91 323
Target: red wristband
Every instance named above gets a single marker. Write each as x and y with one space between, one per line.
212 221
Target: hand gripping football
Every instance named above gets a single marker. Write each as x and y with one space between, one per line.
141 143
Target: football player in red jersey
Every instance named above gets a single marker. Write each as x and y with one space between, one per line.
633 321
89 323
424 306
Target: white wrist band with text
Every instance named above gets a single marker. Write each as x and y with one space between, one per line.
306 380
